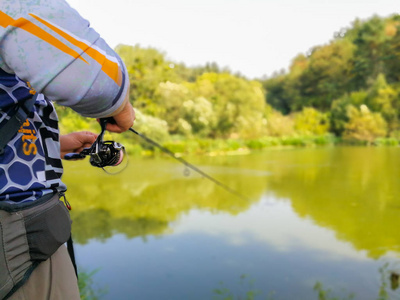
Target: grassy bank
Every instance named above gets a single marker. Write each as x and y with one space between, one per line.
241 146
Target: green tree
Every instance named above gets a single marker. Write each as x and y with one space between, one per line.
199 113
71 121
338 115
152 127
238 104
392 58
364 125
279 125
311 122
382 98
277 93
327 75
169 98
147 68
371 43
283 90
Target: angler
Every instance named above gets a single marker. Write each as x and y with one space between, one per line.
48 53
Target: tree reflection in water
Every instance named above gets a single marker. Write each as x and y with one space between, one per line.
352 192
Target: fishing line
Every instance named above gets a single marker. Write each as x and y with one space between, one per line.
189 165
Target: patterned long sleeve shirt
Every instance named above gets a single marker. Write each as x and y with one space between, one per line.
46 47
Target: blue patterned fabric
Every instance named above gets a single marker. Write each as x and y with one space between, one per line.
30 166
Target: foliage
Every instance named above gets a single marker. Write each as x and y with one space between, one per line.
360 66
279 124
151 126
311 122
339 110
200 115
86 288
146 68
326 294
71 121
246 291
383 98
320 94
238 104
364 125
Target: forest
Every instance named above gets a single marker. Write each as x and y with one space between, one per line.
346 91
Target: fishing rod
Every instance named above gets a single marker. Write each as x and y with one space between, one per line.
188 165
110 153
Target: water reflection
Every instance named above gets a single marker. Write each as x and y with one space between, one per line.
206 249
274 224
353 191
150 195
325 216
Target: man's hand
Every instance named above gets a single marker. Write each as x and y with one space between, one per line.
123 117
75 142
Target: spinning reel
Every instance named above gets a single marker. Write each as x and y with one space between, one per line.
102 153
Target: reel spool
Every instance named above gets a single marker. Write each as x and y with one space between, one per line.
109 153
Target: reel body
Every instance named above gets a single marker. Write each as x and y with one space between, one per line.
102 153
109 153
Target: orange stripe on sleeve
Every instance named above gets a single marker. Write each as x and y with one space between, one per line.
5 19
28 26
109 67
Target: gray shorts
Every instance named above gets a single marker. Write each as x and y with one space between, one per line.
53 279
28 236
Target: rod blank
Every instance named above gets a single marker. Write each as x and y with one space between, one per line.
189 165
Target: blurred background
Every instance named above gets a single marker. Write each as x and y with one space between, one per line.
293 104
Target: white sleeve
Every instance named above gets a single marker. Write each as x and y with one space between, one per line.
48 44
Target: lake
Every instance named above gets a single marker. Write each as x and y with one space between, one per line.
314 221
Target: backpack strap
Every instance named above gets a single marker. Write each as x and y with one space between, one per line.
18 117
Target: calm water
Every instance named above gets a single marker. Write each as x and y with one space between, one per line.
327 216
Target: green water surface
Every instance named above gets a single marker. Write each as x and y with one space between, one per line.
317 223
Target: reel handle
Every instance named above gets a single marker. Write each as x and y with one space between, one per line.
81 155
71 156
103 122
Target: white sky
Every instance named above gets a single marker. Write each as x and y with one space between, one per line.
253 37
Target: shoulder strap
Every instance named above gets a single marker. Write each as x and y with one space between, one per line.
10 128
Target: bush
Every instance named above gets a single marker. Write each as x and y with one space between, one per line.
311 122
364 125
386 142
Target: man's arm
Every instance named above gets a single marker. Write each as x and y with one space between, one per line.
48 44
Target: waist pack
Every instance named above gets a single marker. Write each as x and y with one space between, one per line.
29 235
